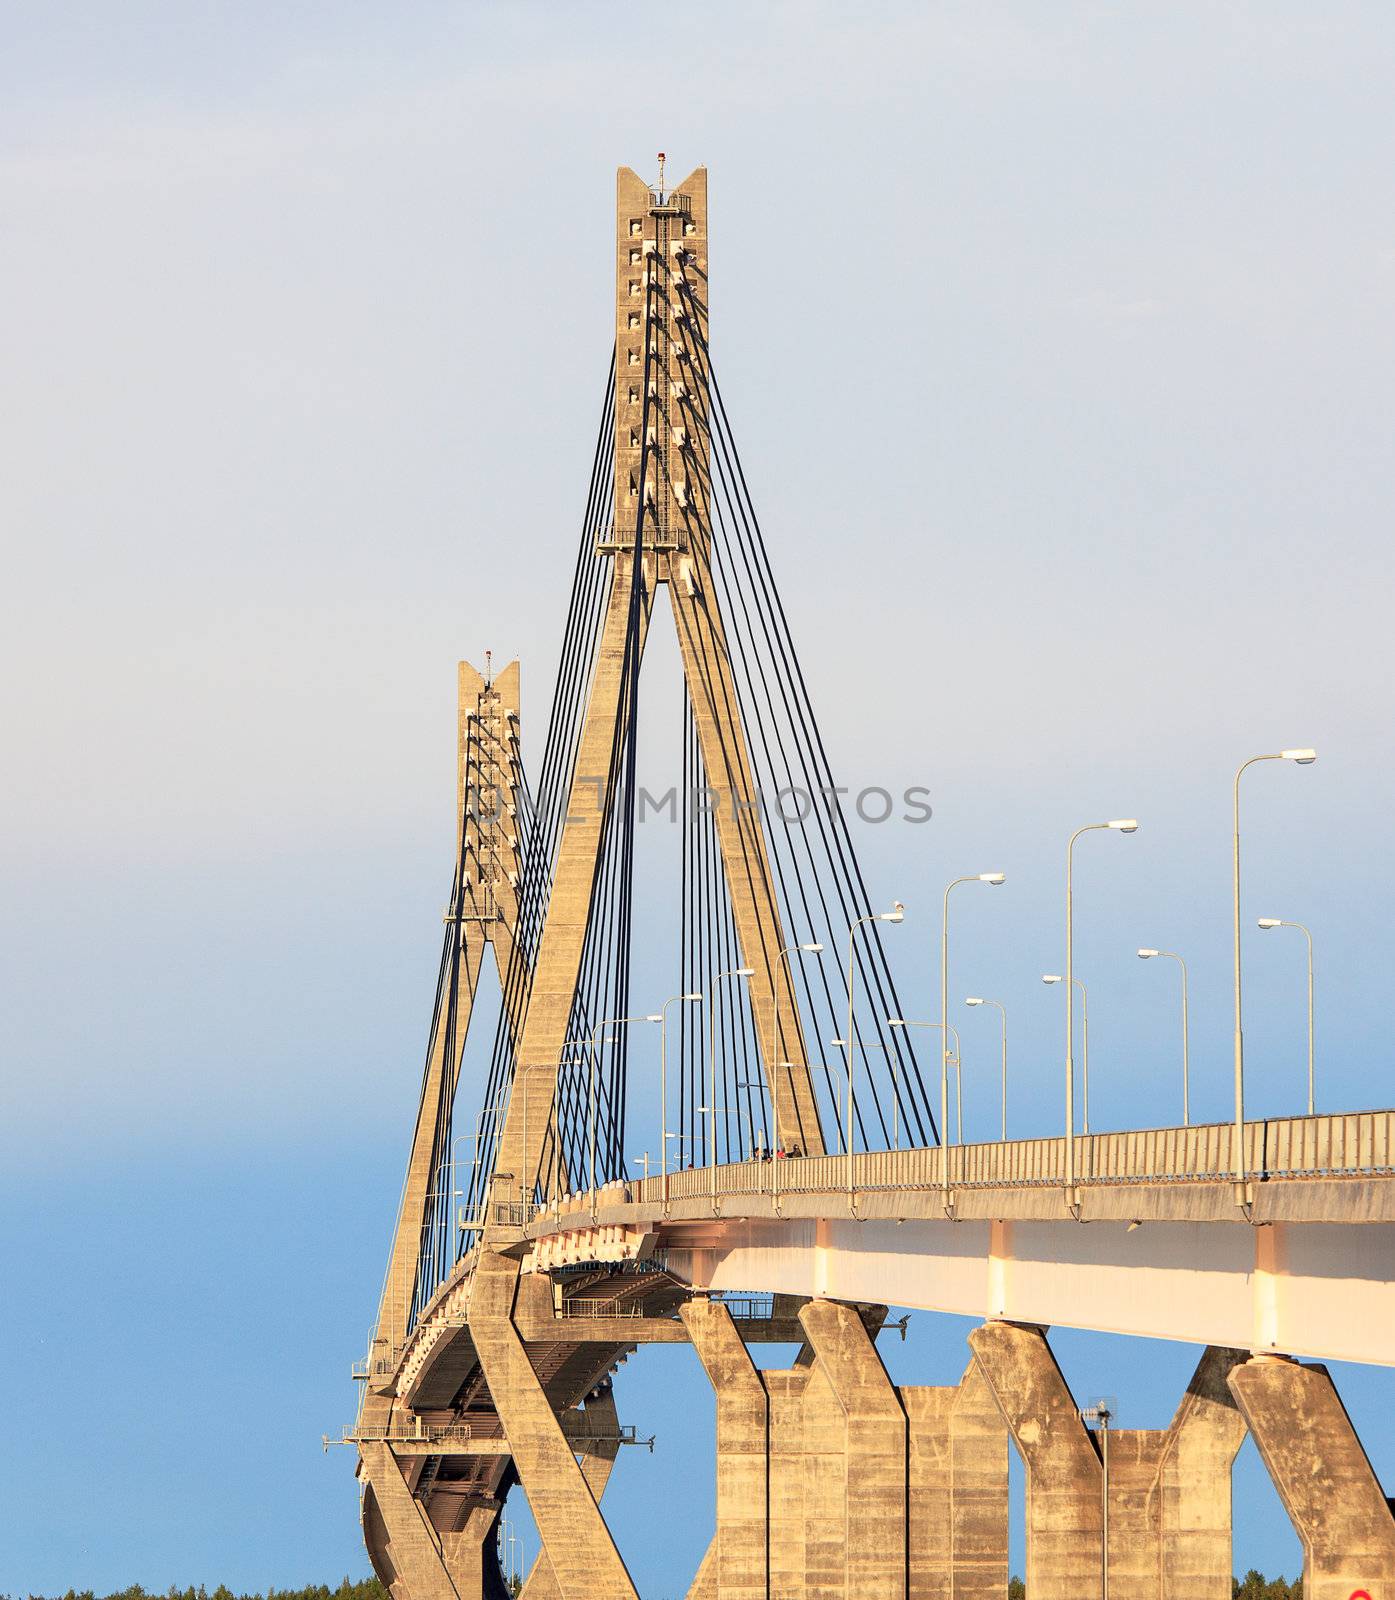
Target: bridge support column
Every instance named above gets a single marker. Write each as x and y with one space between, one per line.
1063 1471
957 1492
559 1497
785 1400
738 1568
469 1559
855 1471
428 1565
597 1458
1169 1490
1323 1477
782 1469
1194 1483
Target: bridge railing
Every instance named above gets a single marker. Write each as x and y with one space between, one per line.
1285 1147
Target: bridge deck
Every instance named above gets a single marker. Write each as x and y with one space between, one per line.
1156 1244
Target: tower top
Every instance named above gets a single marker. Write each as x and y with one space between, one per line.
661 397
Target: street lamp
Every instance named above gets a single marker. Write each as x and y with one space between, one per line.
1119 825
1278 922
711 1107
1055 977
978 877
891 1062
911 1022
1302 758
592 1042
813 948
581 1042
897 912
1002 1014
758 1148
663 1086
1171 955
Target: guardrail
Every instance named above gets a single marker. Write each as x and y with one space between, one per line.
373 1367
749 1307
421 1433
1341 1145
583 1306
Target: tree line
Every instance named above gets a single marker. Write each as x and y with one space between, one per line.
364 1589
1253 1586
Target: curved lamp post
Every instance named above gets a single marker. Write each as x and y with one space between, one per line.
1002 1016
1278 922
781 1066
663 1086
1302 758
911 1022
896 914
592 1042
711 1108
1171 955
994 878
1055 977
1119 825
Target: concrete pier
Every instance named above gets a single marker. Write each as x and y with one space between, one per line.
1323 1477
1167 1498
427 1564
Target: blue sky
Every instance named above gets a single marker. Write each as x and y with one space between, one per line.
1059 352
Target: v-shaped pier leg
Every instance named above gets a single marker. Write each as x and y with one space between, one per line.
559 1496
856 1478
1168 1490
427 1565
1323 1477
597 1458
737 1568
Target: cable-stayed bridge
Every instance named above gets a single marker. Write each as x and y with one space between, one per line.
792 1198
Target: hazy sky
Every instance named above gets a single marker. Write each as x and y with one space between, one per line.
1058 342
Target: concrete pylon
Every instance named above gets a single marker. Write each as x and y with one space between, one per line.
738 1566
427 1565
855 1455
1168 1489
483 912
1323 1477
661 533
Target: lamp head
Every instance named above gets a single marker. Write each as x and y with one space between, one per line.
1270 922
895 914
658 1016
814 949
896 1022
690 996
1124 825
975 1001
1146 953
1304 758
992 877
1051 977
744 972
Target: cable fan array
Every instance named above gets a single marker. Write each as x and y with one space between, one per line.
818 886
540 831
719 1105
